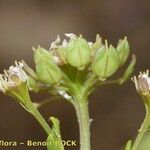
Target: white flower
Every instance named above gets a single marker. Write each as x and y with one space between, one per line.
142 82
12 77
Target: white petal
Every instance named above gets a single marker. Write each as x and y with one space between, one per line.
70 35
55 43
90 44
64 43
1 84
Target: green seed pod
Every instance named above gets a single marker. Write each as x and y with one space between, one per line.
123 49
41 54
47 70
78 52
106 62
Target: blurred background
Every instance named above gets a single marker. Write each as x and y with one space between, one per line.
117 111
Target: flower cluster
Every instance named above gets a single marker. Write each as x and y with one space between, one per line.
78 52
67 61
142 82
101 59
71 68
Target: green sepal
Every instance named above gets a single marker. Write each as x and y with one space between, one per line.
123 49
20 93
32 84
54 141
78 52
106 62
47 71
41 54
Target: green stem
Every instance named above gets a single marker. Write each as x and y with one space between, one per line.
145 125
34 111
82 113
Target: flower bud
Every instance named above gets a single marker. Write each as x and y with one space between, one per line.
47 70
142 83
78 51
123 49
106 61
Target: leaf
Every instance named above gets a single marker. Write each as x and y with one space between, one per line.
54 141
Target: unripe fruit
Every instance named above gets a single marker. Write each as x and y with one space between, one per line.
106 62
47 70
123 49
78 52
